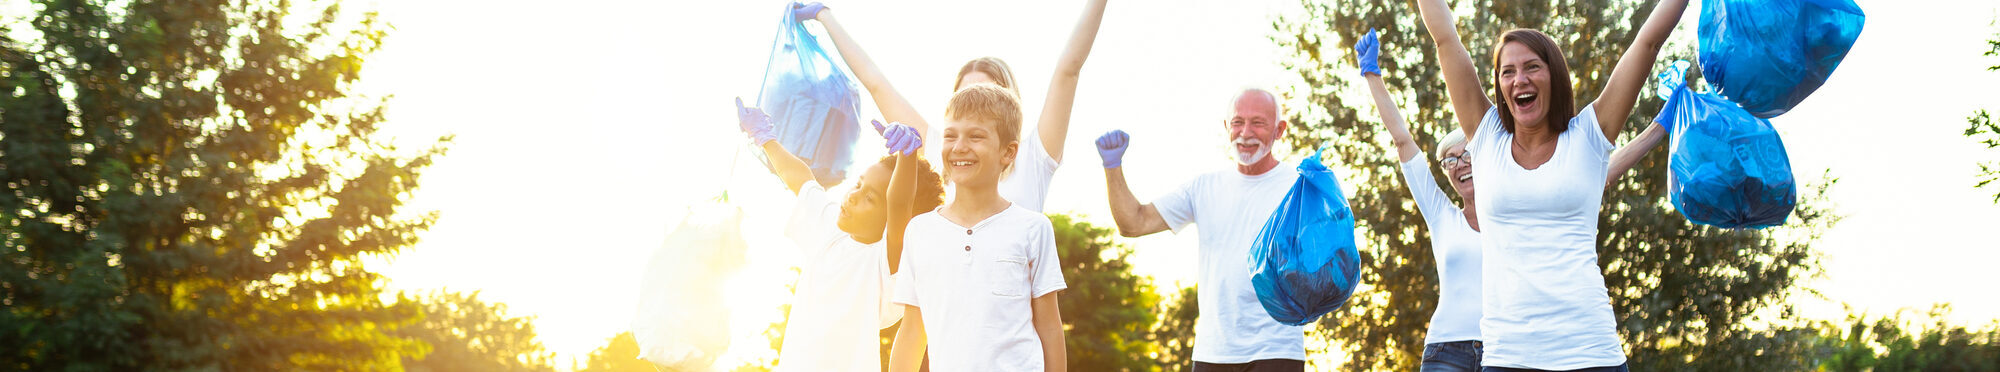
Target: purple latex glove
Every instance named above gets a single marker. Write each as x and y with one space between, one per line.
1111 147
899 138
1368 53
803 12
755 123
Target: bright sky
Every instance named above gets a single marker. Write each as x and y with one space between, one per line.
586 129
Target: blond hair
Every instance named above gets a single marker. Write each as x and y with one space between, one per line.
991 66
988 103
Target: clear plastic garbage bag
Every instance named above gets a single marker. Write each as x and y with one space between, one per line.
1304 263
1726 168
683 323
814 105
1768 55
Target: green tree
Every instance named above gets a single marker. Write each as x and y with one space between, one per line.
192 185
1936 346
1108 311
1174 335
619 354
1679 291
1981 127
466 334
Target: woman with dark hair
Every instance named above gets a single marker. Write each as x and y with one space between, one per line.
1027 183
1540 166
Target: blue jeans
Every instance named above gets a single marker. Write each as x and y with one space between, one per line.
1455 356
1616 368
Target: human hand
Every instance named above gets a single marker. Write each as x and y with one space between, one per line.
755 123
1111 146
1367 54
803 12
899 138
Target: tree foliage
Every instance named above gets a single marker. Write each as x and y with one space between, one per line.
466 334
192 185
1108 311
1884 344
619 354
1981 127
1677 289
1174 335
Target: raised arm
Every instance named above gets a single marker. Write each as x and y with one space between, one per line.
794 172
887 100
1621 91
1134 219
1053 126
1626 156
1366 53
907 146
1461 79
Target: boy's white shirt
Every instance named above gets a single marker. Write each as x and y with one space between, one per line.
975 286
843 285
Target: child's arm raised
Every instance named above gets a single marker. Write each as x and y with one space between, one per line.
1048 325
907 145
906 354
789 168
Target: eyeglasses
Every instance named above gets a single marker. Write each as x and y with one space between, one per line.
1454 161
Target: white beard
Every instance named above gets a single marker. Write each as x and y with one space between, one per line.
1248 158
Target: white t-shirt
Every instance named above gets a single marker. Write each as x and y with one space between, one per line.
1545 305
1231 208
1456 247
1028 184
975 286
843 284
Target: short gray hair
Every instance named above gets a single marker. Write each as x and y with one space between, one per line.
1457 136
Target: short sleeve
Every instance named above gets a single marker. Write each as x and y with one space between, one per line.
1490 131
906 274
1431 200
1593 132
1177 207
1028 183
1046 263
888 312
813 220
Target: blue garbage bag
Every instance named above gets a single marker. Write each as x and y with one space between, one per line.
1726 168
1768 55
813 103
1304 263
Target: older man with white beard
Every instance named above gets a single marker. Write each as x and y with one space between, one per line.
1233 332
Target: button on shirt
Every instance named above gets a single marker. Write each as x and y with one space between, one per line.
974 286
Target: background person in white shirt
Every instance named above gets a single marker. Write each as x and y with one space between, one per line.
1540 166
845 278
1453 343
980 275
1027 183
1233 332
